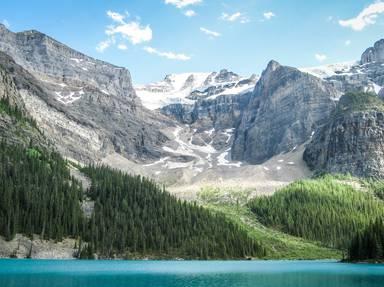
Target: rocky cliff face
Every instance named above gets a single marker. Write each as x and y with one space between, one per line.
88 108
16 126
223 112
286 107
47 58
353 139
374 54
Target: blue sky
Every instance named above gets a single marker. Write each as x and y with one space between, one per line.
153 38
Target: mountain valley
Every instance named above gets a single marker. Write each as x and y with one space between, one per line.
75 119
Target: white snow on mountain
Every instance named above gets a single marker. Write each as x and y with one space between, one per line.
178 88
327 71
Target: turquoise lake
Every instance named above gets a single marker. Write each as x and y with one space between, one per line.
50 273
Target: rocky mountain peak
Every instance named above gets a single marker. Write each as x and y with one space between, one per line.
226 76
272 66
374 54
285 108
45 57
3 27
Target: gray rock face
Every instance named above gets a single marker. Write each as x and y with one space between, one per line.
223 112
374 54
286 107
352 142
13 130
46 57
87 107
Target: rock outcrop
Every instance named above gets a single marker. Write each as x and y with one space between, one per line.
374 54
353 139
286 107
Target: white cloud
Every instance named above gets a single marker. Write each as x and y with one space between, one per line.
121 30
168 55
348 43
122 47
238 16
116 16
182 3
6 23
269 15
132 31
190 13
103 45
210 32
365 18
321 57
231 18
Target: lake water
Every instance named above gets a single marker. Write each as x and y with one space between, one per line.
49 273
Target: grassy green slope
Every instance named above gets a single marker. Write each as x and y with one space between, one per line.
278 245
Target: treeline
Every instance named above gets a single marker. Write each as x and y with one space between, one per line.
133 215
37 194
15 112
323 209
369 244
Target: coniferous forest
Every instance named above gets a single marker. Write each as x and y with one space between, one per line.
322 210
37 194
369 244
132 216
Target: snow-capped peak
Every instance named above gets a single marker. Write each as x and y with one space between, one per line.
327 71
187 88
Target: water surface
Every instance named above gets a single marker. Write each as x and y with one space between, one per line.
50 273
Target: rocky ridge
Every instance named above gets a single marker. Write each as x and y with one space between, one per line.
87 107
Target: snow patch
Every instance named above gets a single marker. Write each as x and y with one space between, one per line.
77 60
223 161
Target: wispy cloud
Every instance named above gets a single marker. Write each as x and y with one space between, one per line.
183 3
122 30
348 43
210 32
321 57
117 17
122 47
132 31
6 23
103 45
238 16
269 15
168 55
365 18
190 13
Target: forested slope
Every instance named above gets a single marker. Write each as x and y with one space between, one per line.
322 209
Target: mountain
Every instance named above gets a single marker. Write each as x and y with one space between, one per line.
188 88
352 141
366 75
285 109
188 128
87 107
